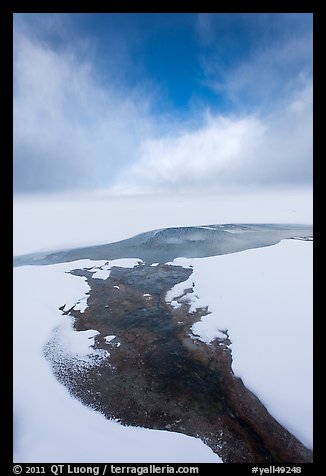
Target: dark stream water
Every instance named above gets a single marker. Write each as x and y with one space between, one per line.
160 377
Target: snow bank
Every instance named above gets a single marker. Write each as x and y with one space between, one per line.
264 298
126 262
50 425
103 272
108 339
81 305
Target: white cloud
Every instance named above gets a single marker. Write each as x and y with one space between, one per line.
268 75
69 130
233 151
194 157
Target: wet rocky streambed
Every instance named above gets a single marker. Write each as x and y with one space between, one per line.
160 376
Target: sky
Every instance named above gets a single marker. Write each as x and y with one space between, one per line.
148 103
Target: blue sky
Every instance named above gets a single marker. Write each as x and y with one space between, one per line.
141 102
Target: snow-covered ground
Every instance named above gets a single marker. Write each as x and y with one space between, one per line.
50 425
263 297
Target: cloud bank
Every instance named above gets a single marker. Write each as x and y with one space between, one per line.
232 152
74 131
69 131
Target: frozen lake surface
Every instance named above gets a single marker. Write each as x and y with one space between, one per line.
166 244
